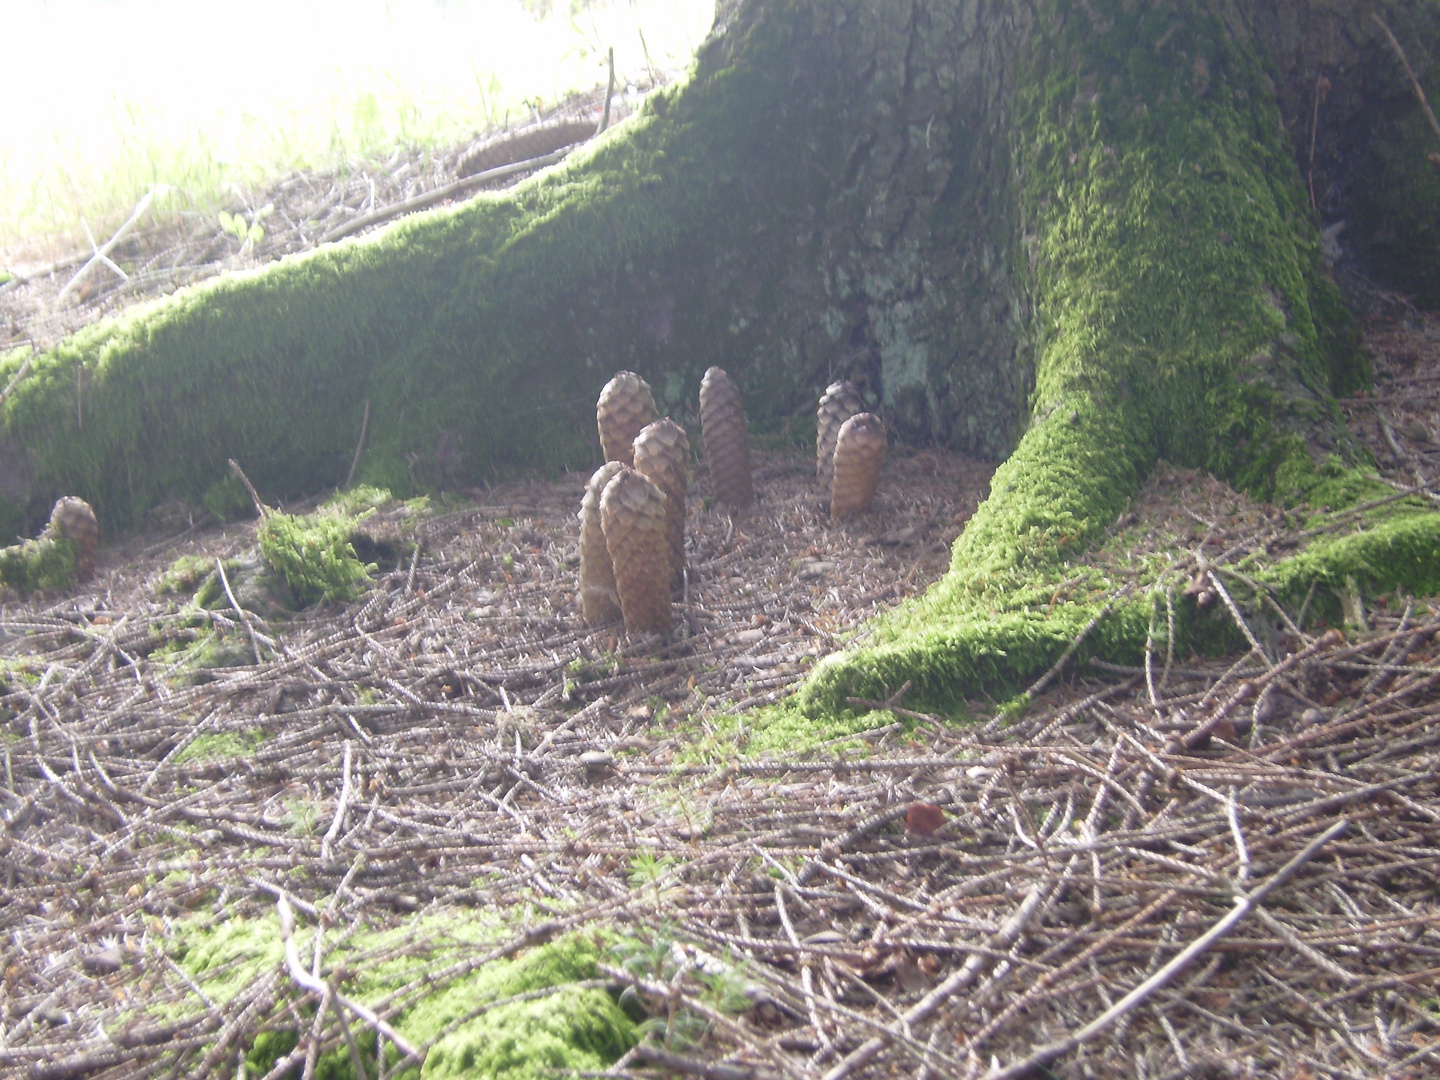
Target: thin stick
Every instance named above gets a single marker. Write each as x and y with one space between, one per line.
1043 1056
244 616
341 805
324 989
102 254
926 1006
359 447
439 194
1419 91
609 93
656 1055
1041 683
260 507
23 370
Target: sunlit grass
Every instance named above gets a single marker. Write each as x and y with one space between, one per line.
126 94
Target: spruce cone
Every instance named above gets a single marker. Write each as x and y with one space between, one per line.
662 450
840 401
859 453
73 519
625 406
632 511
722 426
599 599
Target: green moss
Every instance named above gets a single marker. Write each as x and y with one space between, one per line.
1398 550
184 576
571 1029
315 555
47 564
220 746
478 1036
210 591
359 500
228 499
209 651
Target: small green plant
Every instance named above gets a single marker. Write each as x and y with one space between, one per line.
249 233
302 816
660 959
648 870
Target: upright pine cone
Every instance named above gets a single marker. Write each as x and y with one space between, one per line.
599 599
722 426
73 519
625 406
840 401
859 453
662 451
632 512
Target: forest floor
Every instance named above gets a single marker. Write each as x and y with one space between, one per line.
915 895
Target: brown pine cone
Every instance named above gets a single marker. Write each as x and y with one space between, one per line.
632 512
723 429
73 519
625 406
599 599
840 401
859 453
662 453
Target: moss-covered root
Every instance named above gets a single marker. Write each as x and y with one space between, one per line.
1179 308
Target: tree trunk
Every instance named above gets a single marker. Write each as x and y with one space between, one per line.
1069 233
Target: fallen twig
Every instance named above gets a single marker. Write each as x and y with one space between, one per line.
102 254
1127 1004
440 194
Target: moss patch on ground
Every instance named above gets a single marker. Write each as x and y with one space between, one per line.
46 563
470 1024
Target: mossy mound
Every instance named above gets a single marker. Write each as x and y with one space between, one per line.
46 563
470 1025
300 559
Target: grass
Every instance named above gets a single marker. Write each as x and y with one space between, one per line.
206 98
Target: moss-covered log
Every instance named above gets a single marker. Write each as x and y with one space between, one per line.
1075 230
